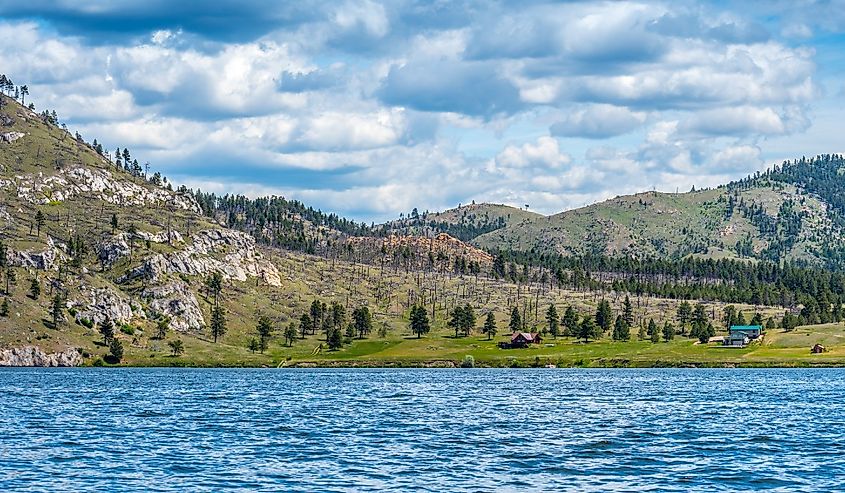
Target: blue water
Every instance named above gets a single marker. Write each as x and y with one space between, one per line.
421 430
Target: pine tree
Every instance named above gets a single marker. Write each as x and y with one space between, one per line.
264 328
218 322
604 316
35 288
588 329
570 322
56 310
116 349
39 222
362 319
621 330
684 315
515 324
290 334
4 308
668 332
653 333
419 321
552 321
106 329
11 279
305 326
335 339
490 325
628 312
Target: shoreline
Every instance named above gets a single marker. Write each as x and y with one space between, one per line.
446 364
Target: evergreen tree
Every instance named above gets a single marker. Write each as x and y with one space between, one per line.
515 324
4 308
588 329
113 223
218 322
684 314
56 310
668 332
729 314
419 321
604 316
570 322
306 325
362 320
552 321
652 331
490 325
39 222
11 279
106 329
628 312
621 330
264 328
335 339
253 345
290 334
116 349
35 288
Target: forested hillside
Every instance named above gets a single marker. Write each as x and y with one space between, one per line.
792 212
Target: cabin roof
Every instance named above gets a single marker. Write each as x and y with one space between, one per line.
740 328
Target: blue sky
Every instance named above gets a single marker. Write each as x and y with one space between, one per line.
373 108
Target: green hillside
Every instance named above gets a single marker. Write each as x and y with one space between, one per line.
763 219
464 222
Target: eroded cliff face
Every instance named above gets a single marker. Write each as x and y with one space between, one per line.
42 189
231 253
35 356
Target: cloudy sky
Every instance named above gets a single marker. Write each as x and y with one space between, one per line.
370 109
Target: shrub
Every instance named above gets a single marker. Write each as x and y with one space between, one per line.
87 322
468 362
127 329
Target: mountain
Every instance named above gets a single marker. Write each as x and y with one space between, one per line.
464 222
792 212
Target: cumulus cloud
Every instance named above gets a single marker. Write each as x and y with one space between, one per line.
598 121
426 104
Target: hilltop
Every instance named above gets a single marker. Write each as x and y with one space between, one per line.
789 213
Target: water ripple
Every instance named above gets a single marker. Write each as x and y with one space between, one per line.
421 430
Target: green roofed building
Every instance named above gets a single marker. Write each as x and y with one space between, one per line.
750 331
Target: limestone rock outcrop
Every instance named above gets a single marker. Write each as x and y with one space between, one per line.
34 356
40 189
99 304
176 301
231 253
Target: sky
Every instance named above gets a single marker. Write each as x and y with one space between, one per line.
370 109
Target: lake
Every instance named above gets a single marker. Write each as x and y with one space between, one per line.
422 430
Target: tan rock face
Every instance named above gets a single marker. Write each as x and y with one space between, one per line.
231 253
34 356
100 304
40 189
176 301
